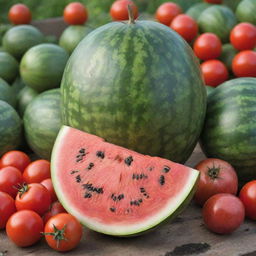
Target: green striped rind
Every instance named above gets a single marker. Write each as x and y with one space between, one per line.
219 20
195 10
42 66
138 86
42 122
209 89
230 126
246 11
72 35
25 96
9 67
10 128
6 93
19 39
227 55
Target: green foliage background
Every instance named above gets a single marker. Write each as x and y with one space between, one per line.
98 9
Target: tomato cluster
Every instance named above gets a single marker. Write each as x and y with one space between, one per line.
208 47
29 206
223 212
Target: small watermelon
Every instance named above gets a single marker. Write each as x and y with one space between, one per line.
42 66
246 11
42 122
19 39
10 128
25 96
195 10
230 124
227 55
114 190
219 20
6 93
72 35
9 67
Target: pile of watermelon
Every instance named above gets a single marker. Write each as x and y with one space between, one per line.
119 109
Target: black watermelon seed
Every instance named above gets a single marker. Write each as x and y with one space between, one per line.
128 160
134 176
78 178
140 200
142 190
131 203
90 166
79 159
147 196
162 180
74 171
112 196
137 176
120 197
87 195
166 169
112 209
100 190
100 154
82 150
141 176
150 168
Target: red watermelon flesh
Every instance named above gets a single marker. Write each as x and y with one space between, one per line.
114 190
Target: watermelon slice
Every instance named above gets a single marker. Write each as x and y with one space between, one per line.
114 190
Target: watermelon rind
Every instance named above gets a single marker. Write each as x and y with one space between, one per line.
195 10
168 212
6 93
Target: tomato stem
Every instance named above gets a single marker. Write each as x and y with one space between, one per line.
131 15
213 172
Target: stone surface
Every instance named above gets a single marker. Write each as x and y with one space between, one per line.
186 235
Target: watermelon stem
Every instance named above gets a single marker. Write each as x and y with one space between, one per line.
131 15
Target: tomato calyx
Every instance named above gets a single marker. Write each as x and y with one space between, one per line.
213 172
58 234
22 189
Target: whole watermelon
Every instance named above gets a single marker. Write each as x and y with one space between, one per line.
246 11
9 67
42 122
19 39
6 93
227 55
230 125
42 66
137 85
10 128
25 96
72 35
219 20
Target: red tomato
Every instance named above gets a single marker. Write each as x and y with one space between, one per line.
10 179
16 159
248 197
166 12
37 171
69 232
243 36
75 14
55 209
19 14
25 228
223 213
48 184
185 26
7 208
216 176
33 197
119 10
207 46
244 64
213 1
214 72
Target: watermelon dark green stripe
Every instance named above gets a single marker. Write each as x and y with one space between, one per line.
42 122
230 126
133 85
10 128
